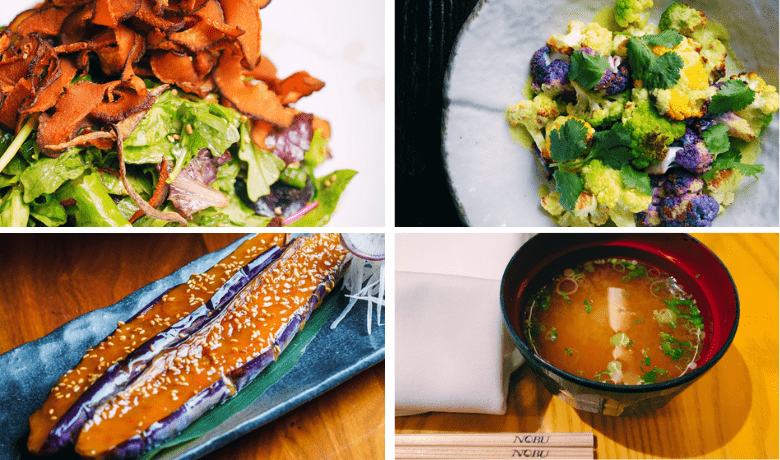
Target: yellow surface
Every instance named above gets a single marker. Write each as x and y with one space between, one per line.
730 412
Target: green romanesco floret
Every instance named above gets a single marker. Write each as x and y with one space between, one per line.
596 109
620 39
586 213
650 132
609 189
682 18
579 35
766 102
534 115
628 12
689 96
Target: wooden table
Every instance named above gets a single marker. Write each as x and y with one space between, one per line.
50 279
731 412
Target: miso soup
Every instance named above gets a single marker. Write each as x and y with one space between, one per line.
615 321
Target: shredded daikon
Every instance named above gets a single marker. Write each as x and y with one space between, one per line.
365 280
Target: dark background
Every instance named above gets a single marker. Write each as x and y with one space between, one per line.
425 34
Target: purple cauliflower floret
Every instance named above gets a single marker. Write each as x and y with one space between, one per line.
699 125
615 79
689 210
691 137
680 182
651 217
695 158
549 77
738 126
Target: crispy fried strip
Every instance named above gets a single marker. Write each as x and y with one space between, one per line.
173 67
49 92
160 191
74 27
5 40
322 125
128 103
9 111
110 12
253 100
103 140
44 21
140 202
148 14
127 125
246 15
71 110
298 85
260 131
209 30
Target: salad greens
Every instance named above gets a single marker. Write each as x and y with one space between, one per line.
81 186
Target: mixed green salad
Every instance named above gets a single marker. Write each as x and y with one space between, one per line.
81 186
637 124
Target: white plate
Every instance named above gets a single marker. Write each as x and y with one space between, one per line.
495 180
341 43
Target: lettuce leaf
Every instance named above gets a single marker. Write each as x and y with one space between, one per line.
327 196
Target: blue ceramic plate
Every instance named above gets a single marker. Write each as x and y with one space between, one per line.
28 372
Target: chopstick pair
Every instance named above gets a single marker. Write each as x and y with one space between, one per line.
493 445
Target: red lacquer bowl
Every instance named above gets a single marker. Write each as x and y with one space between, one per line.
692 264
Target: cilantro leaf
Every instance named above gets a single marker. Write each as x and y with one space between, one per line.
654 71
668 39
569 185
749 170
587 70
613 146
640 181
732 96
569 141
717 139
732 159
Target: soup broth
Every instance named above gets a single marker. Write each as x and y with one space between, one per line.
615 321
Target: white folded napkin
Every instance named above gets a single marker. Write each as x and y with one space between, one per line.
453 353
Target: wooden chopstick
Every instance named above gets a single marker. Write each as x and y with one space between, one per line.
496 439
488 446
408 452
